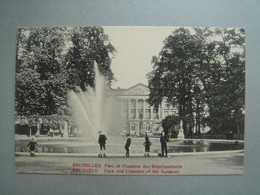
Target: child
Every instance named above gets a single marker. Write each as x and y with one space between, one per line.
127 144
102 144
147 145
32 146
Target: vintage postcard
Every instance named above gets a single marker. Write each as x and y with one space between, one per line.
130 100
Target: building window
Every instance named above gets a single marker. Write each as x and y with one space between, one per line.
147 113
140 104
140 112
148 127
155 115
132 127
132 104
132 113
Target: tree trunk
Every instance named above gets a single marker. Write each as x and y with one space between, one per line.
238 127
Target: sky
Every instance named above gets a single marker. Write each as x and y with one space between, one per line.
135 48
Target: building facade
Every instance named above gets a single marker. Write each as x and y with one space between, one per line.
137 116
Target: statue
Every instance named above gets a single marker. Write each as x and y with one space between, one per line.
181 135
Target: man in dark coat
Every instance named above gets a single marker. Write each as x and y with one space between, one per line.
127 145
32 146
147 145
102 144
163 140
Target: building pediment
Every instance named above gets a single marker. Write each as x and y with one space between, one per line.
139 89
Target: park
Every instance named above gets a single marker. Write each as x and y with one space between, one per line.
194 100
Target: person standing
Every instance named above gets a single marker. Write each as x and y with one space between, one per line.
147 145
32 146
102 144
127 145
163 140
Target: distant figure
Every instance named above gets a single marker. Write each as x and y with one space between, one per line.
32 146
163 140
127 145
102 143
147 145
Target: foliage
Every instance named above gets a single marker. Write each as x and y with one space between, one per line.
88 44
201 72
170 121
169 125
52 61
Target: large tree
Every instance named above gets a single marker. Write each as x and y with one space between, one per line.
51 61
40 80
201 72
89 44
224 80
175 74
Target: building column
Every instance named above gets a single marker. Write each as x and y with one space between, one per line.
128 108
151 108
136 109
144 109
137 130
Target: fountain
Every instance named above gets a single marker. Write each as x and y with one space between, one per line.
92 109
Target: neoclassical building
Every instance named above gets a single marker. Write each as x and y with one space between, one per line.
136 114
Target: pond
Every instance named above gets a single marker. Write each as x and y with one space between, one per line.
117 147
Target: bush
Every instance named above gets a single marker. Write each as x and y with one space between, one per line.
25 129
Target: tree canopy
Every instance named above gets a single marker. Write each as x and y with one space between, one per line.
201 71
51 61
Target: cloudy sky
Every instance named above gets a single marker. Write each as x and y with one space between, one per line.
135 47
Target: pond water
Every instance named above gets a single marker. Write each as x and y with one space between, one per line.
174 146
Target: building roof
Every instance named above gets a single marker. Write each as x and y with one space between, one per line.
137 90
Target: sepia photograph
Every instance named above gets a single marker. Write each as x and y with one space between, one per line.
130 100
